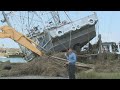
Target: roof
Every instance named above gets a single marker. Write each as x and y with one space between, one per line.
108 43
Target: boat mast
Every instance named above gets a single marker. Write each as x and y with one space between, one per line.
55 16
6 19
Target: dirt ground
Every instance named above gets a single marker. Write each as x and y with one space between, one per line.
42 66
51 67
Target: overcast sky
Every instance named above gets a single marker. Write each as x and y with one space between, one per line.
108 26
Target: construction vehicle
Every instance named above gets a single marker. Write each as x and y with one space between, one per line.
9 32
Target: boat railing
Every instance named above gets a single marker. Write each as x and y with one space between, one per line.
90 16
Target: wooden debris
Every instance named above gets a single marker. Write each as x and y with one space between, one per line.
78 64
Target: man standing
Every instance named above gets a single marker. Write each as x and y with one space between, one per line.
71 58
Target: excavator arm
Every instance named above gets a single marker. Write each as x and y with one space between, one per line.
9 32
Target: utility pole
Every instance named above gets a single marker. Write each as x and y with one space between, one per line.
100 47
100 44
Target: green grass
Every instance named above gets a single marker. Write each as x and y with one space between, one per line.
98 75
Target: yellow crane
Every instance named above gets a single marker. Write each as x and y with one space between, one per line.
9 32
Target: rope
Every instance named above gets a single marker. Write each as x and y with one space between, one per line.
97 26
59 40
88 40
70 31
70 40
97 23
62 44
25 23
52 45
14 27
18 21
22 22
68 16
31 19
40 18
28 23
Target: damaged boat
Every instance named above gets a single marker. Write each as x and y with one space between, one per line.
60 35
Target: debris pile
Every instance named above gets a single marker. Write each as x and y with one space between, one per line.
53 65
43 66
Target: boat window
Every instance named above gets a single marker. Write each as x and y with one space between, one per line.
59 32
73 27
91 20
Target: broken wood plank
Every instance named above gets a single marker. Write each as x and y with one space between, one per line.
78 64
59 58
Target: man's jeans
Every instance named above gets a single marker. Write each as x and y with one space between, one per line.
71 71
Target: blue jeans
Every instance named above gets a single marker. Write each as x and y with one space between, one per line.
71 71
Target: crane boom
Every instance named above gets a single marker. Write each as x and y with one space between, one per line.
9 32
